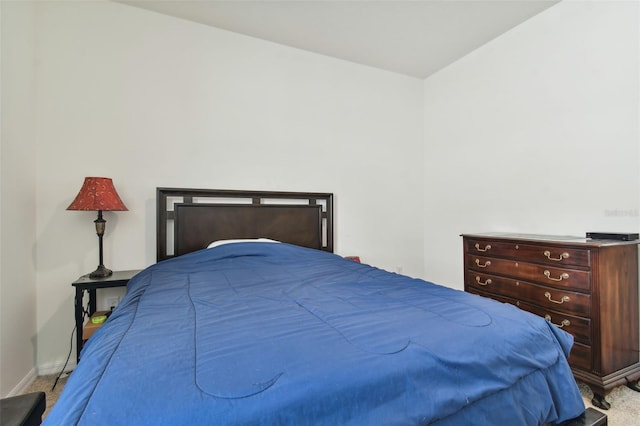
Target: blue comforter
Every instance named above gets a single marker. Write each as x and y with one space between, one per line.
274 334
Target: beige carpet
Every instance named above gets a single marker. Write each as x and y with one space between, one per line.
44 384
625 403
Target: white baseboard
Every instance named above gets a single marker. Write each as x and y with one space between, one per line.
55 368
23 384
41 370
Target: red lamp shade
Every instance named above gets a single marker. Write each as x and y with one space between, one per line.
97 193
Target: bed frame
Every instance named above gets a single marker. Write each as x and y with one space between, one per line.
190 219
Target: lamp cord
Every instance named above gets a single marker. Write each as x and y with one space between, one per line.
67 361
85 311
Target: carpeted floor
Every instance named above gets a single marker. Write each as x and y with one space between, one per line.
625 403
44 384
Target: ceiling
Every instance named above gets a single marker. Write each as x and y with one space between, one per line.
415 38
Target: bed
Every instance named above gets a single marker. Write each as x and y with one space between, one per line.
270 327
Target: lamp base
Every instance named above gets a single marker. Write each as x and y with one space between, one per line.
101 272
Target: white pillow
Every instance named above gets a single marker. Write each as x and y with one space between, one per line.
242 240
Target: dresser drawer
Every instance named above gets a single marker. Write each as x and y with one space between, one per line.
550 255
546 275
579 327
490 248
558 256
580 356
560 300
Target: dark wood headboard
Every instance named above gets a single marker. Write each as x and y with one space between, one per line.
189 219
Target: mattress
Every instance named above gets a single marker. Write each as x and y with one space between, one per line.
260 333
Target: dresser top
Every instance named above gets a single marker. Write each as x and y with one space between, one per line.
558 239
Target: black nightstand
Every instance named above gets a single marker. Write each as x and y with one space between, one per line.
84 283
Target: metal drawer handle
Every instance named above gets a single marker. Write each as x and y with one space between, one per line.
563 276
565 322
486 282
487 263
486 248
564 298
563 256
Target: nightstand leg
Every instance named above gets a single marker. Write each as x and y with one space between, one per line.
79 317
92 302
635 385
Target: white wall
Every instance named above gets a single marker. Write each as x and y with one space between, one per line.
535 132
17 199
150 100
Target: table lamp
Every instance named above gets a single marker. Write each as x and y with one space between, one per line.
98 194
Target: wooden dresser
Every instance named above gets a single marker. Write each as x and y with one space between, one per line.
588 288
